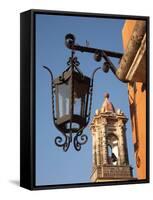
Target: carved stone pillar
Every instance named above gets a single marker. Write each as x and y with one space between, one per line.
98 154
104 142
94 149
122 144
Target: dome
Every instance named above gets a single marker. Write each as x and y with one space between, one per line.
107 106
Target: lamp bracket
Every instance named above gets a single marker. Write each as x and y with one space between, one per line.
98 54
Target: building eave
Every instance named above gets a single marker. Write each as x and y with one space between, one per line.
131 67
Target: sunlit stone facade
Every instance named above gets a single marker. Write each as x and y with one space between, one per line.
109 145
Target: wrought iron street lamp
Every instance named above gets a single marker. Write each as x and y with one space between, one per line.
72 95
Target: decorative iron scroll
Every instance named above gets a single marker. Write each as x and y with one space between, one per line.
78 140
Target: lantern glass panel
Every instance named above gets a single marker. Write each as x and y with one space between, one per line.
80 102
73 125
63 100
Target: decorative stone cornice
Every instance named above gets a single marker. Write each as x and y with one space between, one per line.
134 46
137 71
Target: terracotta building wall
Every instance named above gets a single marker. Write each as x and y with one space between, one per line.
137 101
127 31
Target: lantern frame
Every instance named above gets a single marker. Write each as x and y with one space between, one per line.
75 135
69 78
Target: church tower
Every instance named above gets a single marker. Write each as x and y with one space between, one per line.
109 146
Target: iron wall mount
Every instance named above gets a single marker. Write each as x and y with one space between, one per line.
98 54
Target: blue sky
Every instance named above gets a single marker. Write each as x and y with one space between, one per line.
53 165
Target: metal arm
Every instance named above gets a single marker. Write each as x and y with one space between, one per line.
70 43
98 54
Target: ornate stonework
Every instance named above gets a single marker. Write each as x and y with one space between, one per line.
109 146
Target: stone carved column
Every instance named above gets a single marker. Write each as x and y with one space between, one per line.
122 145
104 142
97 141
94 148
